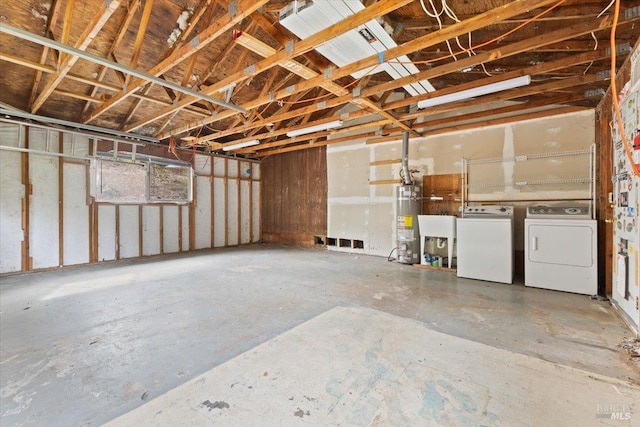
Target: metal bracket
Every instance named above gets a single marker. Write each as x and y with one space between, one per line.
356 92
250 69
344 116
272 96
289 45
321 105
194 42
233 8
328 72
290 89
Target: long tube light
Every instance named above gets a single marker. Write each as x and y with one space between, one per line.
315 128
476 91
242 144
43 41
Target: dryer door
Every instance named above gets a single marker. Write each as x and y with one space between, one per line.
561 244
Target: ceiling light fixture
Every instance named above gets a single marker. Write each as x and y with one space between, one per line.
242 144
476 91
316 128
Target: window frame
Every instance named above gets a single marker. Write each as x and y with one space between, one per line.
145 161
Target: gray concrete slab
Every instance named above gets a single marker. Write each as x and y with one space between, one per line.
362 367
85 345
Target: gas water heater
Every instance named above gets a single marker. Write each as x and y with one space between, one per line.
408 207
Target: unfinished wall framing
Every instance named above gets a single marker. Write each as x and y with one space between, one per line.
48 218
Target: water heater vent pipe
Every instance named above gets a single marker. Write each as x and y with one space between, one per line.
406 174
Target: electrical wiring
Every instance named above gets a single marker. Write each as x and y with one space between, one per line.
446 9
606 8
593 36
614 92
495 39
437 16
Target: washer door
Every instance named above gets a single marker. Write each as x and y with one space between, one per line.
561 244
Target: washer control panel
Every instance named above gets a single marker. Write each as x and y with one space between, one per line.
564 212
489 211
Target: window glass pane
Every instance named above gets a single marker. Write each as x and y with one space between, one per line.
121 182
169 183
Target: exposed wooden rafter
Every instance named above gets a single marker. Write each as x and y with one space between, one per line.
106 10
226 22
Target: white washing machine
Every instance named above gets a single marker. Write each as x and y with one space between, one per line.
485 243
561 250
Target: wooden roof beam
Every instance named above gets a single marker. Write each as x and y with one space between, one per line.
553 86
381 8
142 30
222 25
122 30
51 23
193 21
107 9
513 8
533 70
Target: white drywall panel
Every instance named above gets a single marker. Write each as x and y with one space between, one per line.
245 170
106 232
245 209
203 213
219 212
355 207
150 230
129 231
202 164
232 212
44 242
185 228
11 195
218 166
349 175
232 168
382 236
170 229
75 214
256 211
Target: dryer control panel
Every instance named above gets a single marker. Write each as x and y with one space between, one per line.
559 212
488 211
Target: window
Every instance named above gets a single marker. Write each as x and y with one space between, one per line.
168 182
146 180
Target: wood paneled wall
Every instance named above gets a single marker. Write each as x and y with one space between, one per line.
294 197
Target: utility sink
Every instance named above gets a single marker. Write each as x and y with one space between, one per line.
437 226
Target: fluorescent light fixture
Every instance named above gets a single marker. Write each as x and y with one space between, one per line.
316 128
476 91
306 17
243 144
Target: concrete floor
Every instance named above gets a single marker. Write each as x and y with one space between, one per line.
86 345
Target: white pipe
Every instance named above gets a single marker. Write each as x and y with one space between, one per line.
43 153
129 138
